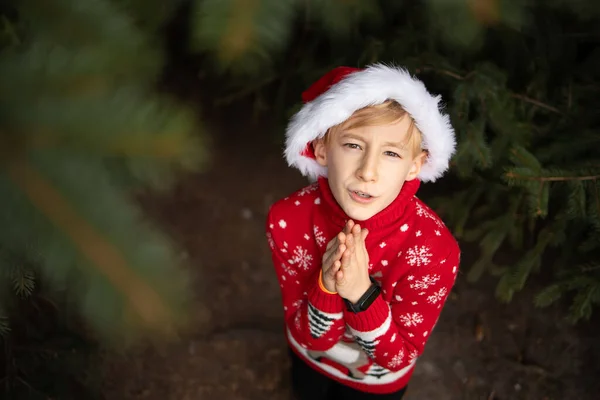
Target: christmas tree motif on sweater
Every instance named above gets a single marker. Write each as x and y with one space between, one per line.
369 340
320 322
367 345
377 371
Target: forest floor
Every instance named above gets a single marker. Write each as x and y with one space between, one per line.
480 349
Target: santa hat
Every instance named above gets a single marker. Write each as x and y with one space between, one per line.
342 91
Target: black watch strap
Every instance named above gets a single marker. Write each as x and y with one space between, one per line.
366 299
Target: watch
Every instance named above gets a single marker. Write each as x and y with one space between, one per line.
366 299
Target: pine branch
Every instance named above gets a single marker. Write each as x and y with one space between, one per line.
516 176
446 72
521 156
549 295
23 281
143 301
583 302
470 74
242 34
589 267
495 234
536 103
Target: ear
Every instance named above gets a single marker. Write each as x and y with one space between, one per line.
415 168
320 150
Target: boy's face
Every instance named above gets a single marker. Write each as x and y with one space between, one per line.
367 166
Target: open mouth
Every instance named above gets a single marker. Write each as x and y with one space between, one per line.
361 197
362 194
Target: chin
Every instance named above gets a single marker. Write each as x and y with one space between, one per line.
360 215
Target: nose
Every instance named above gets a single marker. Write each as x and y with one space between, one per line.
368 169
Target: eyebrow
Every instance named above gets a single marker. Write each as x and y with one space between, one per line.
351 136
399 145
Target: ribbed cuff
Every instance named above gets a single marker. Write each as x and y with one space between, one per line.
372 318
323 301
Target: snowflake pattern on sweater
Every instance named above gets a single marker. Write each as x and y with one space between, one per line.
412 255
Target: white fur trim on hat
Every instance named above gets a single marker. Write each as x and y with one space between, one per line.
370 86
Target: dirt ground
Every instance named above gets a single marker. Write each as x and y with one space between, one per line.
480 349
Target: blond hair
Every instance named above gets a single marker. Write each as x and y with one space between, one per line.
386 113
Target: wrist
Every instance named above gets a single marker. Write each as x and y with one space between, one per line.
359 292
323 286
365 300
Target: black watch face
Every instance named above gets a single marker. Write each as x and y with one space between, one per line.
369 300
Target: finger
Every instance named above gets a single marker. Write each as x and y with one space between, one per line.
331 248
341 250
335 267
350 241
357 233
339 238
335 255
356 229
330 273
364 234
331 243
345 261
349 226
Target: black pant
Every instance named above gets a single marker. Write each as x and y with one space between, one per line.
308 384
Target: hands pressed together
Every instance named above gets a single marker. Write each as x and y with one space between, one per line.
345 267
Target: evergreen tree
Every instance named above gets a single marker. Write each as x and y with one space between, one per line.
520 81
82 127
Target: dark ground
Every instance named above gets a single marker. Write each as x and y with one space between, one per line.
481 349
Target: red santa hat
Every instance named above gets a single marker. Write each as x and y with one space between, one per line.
342 91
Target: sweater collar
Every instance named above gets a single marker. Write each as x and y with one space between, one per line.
387 216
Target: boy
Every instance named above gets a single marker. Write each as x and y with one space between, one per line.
364 266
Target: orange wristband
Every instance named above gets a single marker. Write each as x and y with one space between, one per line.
321 286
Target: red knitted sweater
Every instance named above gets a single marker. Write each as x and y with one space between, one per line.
412 255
